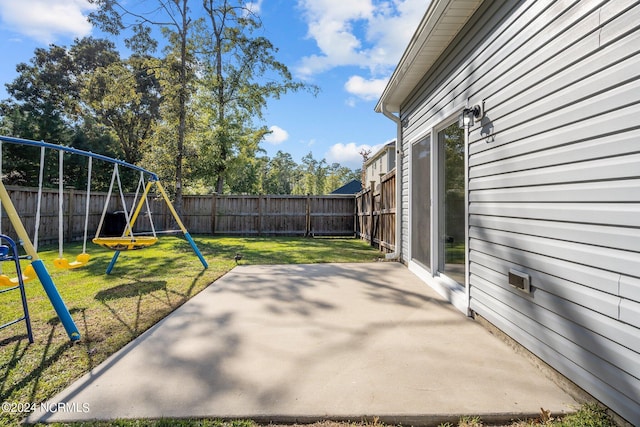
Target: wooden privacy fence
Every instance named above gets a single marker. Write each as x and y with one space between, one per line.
376 213
74 202
286 215
331 215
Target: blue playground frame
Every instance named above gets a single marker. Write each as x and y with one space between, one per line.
37 264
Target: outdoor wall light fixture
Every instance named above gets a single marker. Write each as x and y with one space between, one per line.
468 115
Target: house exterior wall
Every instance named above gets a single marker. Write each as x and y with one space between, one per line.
553 180
380 164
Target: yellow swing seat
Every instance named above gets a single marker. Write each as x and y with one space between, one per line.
28 273
80 261
125 243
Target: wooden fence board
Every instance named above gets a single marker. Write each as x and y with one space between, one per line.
287 215
375 213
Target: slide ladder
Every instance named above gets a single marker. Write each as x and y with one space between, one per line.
9 252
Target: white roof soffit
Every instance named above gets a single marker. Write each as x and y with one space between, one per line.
440 24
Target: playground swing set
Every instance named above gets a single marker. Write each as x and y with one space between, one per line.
126 241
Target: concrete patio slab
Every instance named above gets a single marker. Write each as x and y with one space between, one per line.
289 343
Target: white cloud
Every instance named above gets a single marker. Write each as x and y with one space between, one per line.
367 89
254 6
392 28
277 135
46 20
349 154
366 33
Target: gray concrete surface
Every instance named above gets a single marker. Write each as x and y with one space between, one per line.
305 342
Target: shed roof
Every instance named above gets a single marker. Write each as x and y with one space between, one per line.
351 187
440 24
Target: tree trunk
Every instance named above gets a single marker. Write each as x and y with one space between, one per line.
182 106
221 107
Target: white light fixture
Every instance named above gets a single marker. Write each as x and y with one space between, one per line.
468 115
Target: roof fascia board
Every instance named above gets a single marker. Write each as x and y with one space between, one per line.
406 75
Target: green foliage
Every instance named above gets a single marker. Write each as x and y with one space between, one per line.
280 174
240 73
316 177
125 97
589 415
188 114
216 76
46 94
47 104
452 142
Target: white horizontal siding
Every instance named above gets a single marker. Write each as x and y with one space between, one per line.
621 214
593 170
629 311
554 180
606 146
595 353
525 33
620 191
434 96
630 288
512 322
626 239
599 126
623 335
591 298
583 60
608 259
404 206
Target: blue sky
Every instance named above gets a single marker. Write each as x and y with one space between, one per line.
349 48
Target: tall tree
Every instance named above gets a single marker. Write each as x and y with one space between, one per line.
37 93
280 174
241 73
173 18
309 174
219 58
338 175
47 89
45 100
125 96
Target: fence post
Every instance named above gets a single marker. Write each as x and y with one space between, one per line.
360 213
214 197
307 231
372 207
381 216
259 215
355 215
362 229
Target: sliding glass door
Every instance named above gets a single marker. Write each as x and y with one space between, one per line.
421 202
451 200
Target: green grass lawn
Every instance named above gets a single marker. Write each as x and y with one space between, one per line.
112 310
